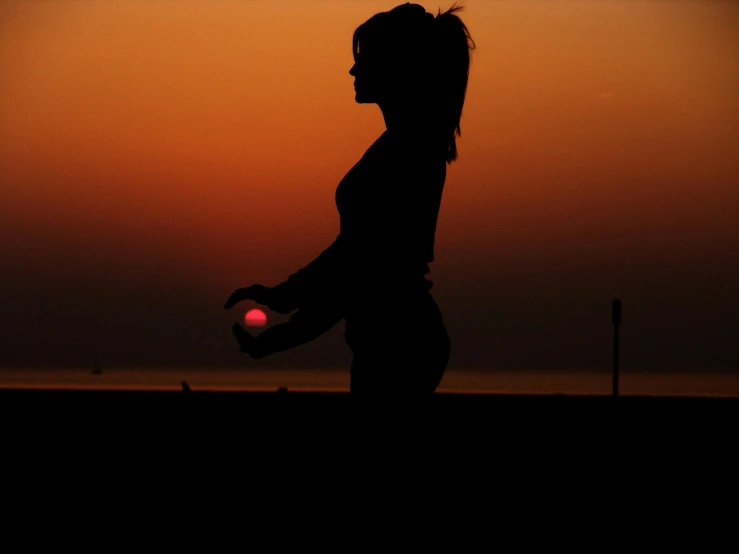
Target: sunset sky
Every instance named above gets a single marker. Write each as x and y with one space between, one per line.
154 156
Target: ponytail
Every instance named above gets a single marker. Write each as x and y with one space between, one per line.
453 45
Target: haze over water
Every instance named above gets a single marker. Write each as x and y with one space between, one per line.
337 380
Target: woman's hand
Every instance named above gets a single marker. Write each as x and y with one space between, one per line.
276 298
248 343
259 293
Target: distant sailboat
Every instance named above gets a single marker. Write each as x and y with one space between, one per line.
96 369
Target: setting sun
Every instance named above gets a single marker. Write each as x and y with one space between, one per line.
255 318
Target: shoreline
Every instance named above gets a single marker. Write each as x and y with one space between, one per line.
595 383
124 394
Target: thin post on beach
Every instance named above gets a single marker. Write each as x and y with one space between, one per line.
616 311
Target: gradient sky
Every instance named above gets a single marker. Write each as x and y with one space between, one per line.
154 156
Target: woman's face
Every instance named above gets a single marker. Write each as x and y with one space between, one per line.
368 77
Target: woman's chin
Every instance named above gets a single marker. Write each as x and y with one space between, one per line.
362 98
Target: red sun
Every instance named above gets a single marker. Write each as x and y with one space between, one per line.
255 318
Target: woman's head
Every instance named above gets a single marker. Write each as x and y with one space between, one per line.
412 61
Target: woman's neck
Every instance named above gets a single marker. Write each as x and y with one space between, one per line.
403 119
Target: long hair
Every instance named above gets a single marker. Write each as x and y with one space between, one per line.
428 58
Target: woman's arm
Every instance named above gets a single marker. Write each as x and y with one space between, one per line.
302 285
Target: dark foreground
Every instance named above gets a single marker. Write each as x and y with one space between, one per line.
286 438
115 399
261 410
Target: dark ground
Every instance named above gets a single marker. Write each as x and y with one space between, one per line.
250 412
171 446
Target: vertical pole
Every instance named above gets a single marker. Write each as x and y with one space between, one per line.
616 322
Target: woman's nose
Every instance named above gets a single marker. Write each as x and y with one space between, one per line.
352 71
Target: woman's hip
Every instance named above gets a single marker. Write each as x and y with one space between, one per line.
407 325
399 363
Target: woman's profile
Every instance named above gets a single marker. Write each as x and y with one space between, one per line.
415 67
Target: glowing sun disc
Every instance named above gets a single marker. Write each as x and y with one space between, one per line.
255 318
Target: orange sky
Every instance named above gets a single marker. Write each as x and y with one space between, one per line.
172 143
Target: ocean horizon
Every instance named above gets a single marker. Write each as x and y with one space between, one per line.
712 383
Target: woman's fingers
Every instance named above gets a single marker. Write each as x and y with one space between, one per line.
238 332
242 336
276 299
280 308
261 294
236 296
258 293
247 342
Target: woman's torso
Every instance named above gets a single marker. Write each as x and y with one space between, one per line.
388 206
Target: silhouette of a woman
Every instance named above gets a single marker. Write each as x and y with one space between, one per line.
415 67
